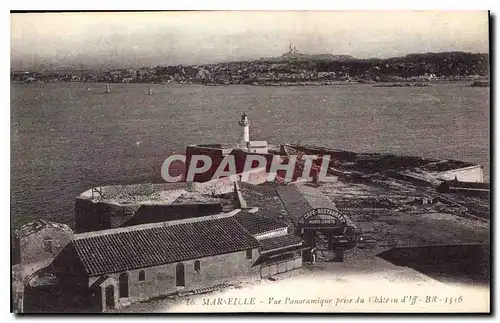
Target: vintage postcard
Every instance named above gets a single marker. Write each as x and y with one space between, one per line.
241 161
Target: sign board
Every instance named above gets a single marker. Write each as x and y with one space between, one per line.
322 217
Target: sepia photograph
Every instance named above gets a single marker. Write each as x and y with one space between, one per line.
250 162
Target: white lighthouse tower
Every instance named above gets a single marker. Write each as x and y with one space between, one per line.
246 128
259 147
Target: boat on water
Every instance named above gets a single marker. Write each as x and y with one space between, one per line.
107 88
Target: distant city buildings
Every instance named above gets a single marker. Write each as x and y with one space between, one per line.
289 69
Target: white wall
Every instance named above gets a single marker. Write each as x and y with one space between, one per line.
468 174
272 234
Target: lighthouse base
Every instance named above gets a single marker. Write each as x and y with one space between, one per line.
258 147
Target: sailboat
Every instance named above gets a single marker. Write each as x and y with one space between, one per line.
107 88
150 92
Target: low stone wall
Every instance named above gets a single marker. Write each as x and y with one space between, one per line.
95 216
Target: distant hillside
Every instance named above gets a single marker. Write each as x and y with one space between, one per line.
293 68
296 67
439 64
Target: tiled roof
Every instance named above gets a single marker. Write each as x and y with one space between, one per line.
294 201
280 242
99 281
315 197
257 223
145 246
288 202
300 199
265 198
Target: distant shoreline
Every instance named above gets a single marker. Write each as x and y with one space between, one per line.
286 83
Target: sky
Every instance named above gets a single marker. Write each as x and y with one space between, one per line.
136 39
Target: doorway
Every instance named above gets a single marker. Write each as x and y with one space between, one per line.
179 275
110 297
322 241
123 280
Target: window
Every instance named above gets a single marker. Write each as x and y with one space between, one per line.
249 253
47 245
142 275
197 266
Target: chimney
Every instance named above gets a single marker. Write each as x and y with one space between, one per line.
237 191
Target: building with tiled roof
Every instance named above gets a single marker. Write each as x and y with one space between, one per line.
279 250
163 252
158 251
119 250
302 198
280 254
259 224
280 242
120 266
310 214
125 265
